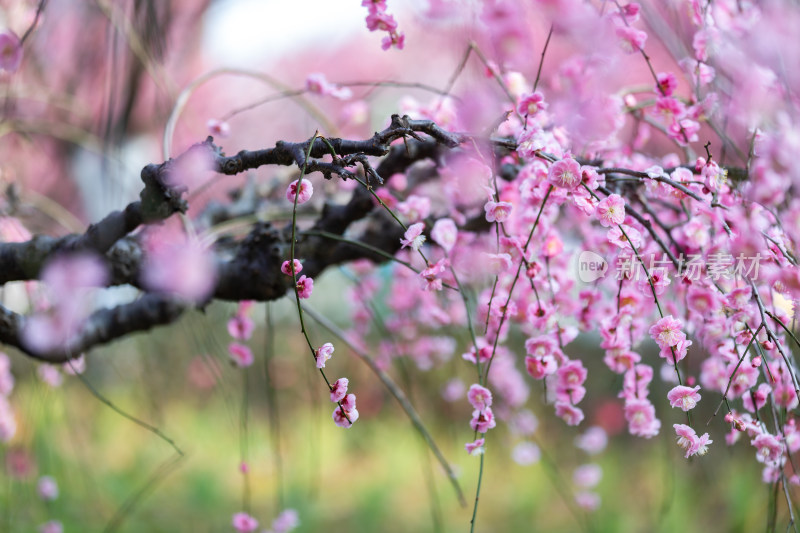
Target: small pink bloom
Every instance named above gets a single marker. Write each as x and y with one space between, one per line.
286 521
667 331
565 173
445 233
431 275
240 354
593 440
667 83
540 367
47 488
244 523
475 448
630 39
218 128
347 408
497 211
413 237
480 397
569 413
611 210
482 421
241 327
317 83
641 417
381 21
305 286
323 354
10 51
588 475
498 263
531 104
286 267
339 390
244 468
769 448
306 190
398 40
685 398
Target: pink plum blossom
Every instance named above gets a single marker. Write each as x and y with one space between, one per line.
667 331
323 354
286 521
305 286
218 128
317 83
482 420
641 417
530 104
241 327
565 173
526 453
445 233
497 211
240 354
569 413
304 195
339 389
611 211
685 398
286 267
244 523
475 447
47 488
347 410
413 237
631 40
479 397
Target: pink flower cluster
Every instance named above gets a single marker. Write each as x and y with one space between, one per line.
378 19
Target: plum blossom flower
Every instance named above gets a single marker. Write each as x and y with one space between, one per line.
611 210
305 286
569 413
475 448
631 40
47 488
565 173
218 128
667 331
240 354
480 397
685 398
445 233
482 420
530 104
497 211
10 51
431 275
286 521
244 523
593 440
346 414
179 266
413 237
641 417
317 83
323 354
526 453
241 327
286 267
306 190
339 389
769 448
588 475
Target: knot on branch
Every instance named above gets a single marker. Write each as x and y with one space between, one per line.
159 198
